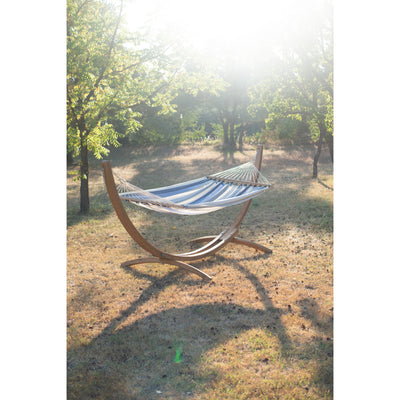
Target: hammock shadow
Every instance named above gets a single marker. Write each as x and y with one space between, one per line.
150 343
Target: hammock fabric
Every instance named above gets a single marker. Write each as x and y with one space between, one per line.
199 196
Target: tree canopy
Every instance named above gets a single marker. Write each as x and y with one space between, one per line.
301 85
154 86
112 74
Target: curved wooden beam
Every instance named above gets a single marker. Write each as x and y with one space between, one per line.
121 213
235 240
156 260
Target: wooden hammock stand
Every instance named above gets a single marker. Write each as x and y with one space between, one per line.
213 243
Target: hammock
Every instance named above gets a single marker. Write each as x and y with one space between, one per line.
199 196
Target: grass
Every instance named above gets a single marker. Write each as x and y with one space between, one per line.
262 329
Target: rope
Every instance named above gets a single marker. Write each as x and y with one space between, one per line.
140 195
245 174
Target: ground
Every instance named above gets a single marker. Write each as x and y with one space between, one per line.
261 329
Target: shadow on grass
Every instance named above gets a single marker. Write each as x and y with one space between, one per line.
126 154
321 349
139 361
324 184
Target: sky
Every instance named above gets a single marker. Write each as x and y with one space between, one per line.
211 26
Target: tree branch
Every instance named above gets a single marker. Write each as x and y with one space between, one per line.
112 44
143 60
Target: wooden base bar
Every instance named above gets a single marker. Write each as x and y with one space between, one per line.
156 260
213 243
235 240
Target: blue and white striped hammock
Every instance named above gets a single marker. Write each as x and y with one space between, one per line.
199 196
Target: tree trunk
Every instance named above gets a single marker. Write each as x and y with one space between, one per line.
322 134
232 134
84 175
329 141
240 139
232 118
70 158
316 157
225 127
208 127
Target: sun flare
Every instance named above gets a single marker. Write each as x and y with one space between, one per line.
217 25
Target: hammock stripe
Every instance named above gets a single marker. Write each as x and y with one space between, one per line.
199 196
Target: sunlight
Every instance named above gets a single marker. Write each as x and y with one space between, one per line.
216 25
223 20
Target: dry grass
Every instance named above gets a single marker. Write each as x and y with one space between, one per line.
262 329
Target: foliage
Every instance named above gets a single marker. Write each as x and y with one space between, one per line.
113 75
286 130
158 129
302 86
104 77
98 75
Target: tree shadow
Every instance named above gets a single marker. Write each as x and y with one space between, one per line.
125 154
324 184
321 348
149 344
228 154
139 361
310 310
141 355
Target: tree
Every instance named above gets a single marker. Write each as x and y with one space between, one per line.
230 106
110 74
302 85
99 76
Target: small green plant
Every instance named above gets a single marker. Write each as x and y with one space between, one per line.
178 353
